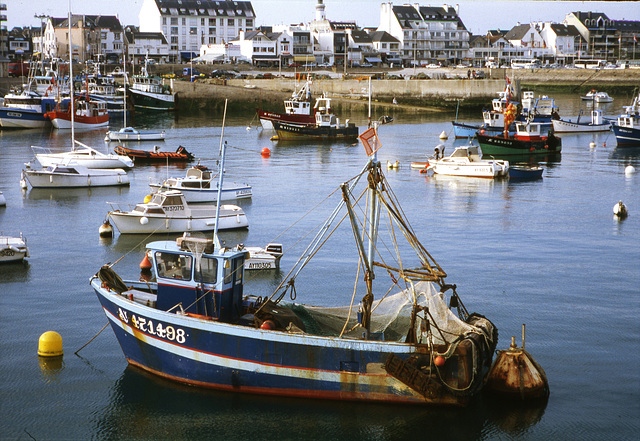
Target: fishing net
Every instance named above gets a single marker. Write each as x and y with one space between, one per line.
390 317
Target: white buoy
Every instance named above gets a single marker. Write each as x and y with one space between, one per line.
443 135
106 230
144 220
620 210
629 170
592 145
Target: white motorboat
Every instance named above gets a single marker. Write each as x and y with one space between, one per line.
87 156
602 97
13 248
131 134
466 161
70 175
266 258
168 212
200 185
598 97
597 124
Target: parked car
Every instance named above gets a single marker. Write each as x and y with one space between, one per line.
220 73
18 69
295 65
479 74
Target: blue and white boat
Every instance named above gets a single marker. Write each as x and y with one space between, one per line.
192 321
627 127
26 110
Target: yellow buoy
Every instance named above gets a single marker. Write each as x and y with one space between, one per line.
147 198
50 344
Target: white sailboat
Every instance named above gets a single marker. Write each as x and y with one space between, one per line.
128 133
75 168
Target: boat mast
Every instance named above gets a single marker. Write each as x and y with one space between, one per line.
71 88
216 240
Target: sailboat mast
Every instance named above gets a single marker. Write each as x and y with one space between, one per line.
71 88
216 240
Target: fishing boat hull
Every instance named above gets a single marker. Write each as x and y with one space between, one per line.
62 120
180 155
230 191
12 118
94 178
626 136
288 132
129 134
267 118
246 359
151 100
501 146
562 126
178 221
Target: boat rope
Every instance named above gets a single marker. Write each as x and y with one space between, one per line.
94 337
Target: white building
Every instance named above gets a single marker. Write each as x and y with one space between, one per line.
528 40
189 24
146 44
427 34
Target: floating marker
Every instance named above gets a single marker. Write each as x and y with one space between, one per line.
620 210
443 135
629 170
50 344
265 152
106 230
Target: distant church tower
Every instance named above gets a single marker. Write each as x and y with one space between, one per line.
320 11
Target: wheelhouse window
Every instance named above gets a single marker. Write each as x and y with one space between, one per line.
208 270
173 266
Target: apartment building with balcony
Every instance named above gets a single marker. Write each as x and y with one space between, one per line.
427 34
190 24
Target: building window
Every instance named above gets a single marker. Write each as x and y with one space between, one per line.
193 30
174 20
184 22
212 22
212 31
231 22
202 21
249 23
174 30
164 20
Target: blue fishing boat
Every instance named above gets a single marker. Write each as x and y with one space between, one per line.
192 320
627 127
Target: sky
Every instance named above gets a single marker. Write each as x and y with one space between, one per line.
477 15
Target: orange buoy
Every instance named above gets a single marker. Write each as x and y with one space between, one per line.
265 152
145 263
439 361
268 325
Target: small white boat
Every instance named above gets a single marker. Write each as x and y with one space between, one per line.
266 258
598 97
87 156
589 95
602 97
3 200
13 248
71 175
200 185
597 124
465 161
168 212
131 134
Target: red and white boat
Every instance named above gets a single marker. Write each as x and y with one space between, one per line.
88 114
298 110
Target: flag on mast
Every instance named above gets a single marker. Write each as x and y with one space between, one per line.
370 141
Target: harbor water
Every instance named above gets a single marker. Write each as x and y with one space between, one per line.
548 253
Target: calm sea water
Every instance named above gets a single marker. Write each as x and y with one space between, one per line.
547 253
